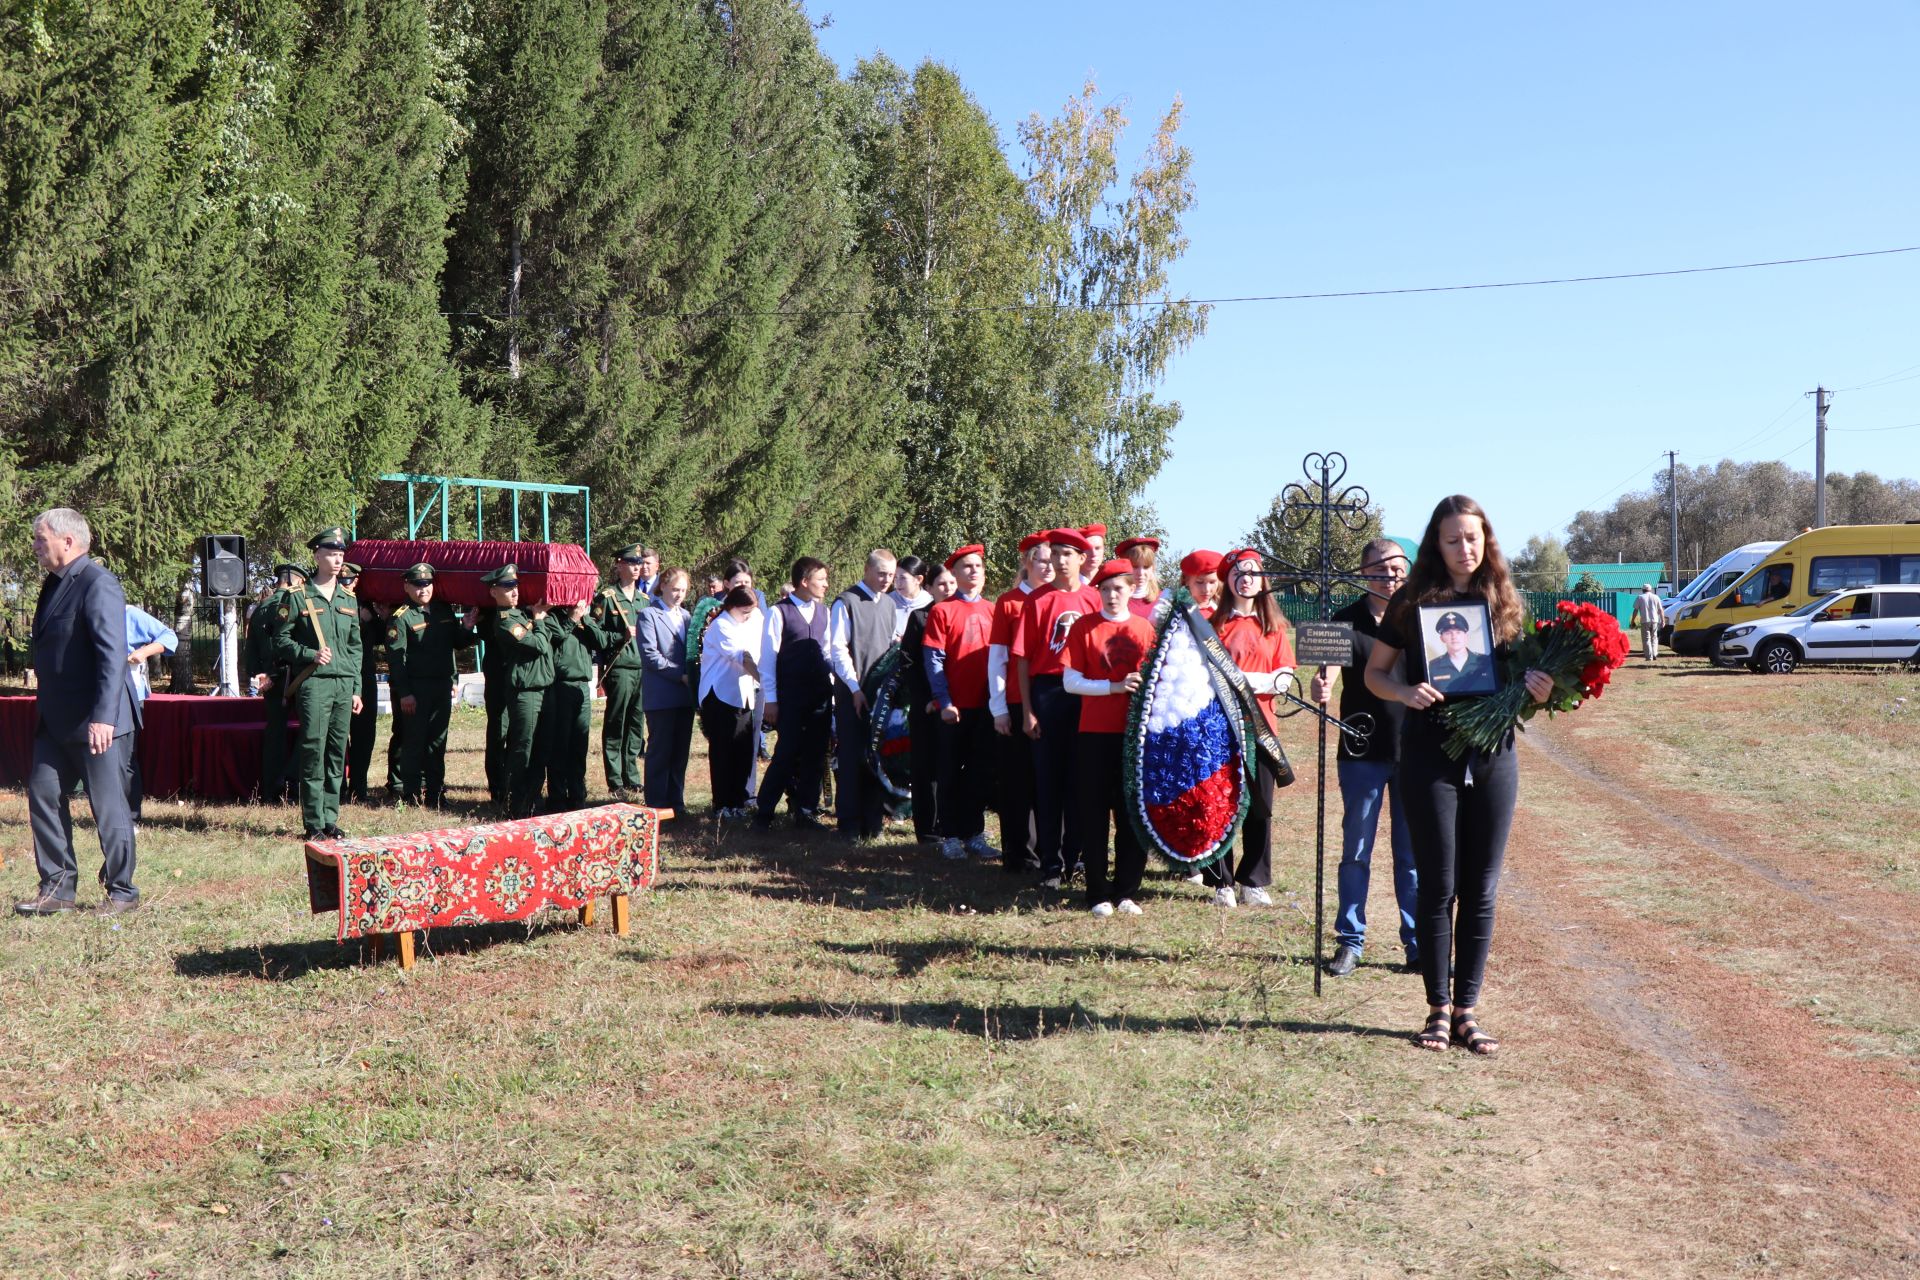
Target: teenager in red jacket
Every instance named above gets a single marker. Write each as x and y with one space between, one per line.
1014 783
955 655
1052 714
1252 630
1104 653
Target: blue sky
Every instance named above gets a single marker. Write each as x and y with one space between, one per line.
1373 146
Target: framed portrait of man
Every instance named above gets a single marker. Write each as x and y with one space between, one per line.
1459 645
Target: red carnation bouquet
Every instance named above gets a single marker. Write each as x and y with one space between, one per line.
1580 649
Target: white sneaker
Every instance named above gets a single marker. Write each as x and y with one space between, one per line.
1252 895
952 849
1198 877
1101 910
979 848
1223 896
1128 907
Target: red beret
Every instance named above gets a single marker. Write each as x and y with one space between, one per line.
1233 558
1198 564
1131 543
1111 569
1070 538
1031 541
1090 530
960 553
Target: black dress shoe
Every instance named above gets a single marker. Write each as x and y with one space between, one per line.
44 904
313 833
1345 960
335 833
117 907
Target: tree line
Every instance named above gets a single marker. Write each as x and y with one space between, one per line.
256 253
1721 507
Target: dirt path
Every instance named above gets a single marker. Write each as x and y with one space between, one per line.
1811 1150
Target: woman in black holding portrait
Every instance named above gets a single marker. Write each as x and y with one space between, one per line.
1459 811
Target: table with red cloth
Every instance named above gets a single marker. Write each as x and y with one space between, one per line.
485 874
167 741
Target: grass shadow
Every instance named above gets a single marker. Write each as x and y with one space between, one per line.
291 961
912 958
1025 1022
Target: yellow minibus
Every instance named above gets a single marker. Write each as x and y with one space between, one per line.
1802 570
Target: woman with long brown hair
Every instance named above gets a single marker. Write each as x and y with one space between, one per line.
1459 811
1254 633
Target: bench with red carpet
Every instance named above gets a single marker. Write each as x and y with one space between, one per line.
395 885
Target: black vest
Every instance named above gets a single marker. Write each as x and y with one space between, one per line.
800 669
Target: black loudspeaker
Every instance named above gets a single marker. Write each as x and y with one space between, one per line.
223 566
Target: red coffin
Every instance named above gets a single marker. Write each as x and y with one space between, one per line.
556 573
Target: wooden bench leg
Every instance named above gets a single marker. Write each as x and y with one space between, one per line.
620 923
586 915
406 948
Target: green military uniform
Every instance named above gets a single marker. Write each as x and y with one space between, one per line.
493 669
623 736
569 709
322 696
421 642
526 658
365 727
261 662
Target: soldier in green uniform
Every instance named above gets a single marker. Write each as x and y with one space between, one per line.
1458 670
366 721
526 659
270 679
493 670
422 637
575 638
616 611
316 633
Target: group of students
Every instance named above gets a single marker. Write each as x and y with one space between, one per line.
1015 704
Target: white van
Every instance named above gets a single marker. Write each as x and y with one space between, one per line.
1713 580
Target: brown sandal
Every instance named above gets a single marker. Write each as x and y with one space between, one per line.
1433 1037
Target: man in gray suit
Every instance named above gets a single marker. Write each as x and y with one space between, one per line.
85 716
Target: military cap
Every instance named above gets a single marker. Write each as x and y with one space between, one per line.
288 566
630 553
334 539
1451 620
419 574
506 575
351 570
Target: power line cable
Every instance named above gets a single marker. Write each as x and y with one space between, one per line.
1265 297
1885 380
1905 426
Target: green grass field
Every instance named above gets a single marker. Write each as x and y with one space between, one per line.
808 1059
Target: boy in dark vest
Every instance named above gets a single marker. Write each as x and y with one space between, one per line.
796 686
860 631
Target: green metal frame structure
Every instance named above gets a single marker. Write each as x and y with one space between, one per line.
439 493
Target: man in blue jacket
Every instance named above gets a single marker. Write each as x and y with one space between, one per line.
85 717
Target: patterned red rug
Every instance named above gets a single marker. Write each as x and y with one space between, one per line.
484 874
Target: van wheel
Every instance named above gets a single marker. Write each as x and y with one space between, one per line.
1778 658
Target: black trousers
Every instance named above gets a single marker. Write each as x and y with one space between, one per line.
669 743
498 697
1013 789
136 782
362 729
729 731
923 728
966 756
799 756
1459 814
1256 839
1103 801
56 767
860 801
1056 815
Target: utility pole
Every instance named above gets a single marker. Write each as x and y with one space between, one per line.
1819 457
1673 524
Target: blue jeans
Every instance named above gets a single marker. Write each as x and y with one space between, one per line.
1362 784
